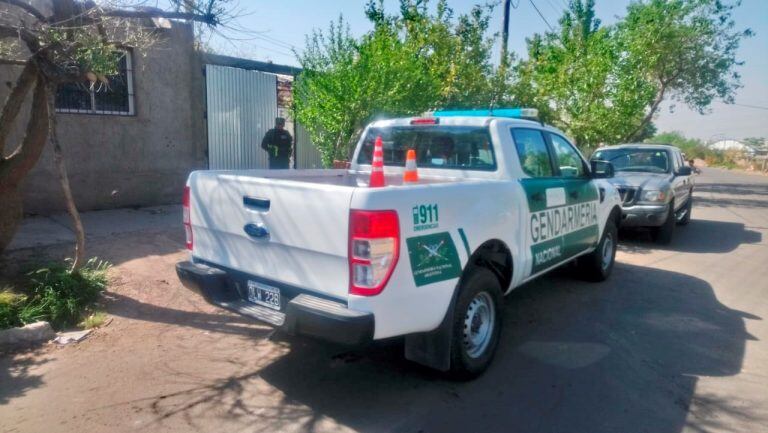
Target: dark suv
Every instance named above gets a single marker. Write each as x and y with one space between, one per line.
655 184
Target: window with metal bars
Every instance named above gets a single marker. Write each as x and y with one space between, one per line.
115 97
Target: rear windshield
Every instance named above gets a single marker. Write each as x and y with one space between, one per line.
639 160
449 147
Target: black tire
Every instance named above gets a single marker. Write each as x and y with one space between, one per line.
470 357
663 234
686 218
598 265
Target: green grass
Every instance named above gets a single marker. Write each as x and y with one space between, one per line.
10 306
95 320
56 295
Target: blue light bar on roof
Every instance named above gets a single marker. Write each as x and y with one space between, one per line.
518 113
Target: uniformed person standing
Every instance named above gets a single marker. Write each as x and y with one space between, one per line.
279 145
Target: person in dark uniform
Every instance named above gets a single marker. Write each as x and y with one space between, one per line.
278 143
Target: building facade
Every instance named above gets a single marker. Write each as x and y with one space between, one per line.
132 142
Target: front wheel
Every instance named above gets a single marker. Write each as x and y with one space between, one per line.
663 234
476 325
684 216
598 265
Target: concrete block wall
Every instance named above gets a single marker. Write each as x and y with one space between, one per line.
124 161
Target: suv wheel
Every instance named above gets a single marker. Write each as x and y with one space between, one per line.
663 234
684 216
476 325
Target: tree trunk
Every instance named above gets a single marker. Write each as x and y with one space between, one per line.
10 216
61 169
649 116
14 167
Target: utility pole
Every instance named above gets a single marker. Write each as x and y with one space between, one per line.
505 32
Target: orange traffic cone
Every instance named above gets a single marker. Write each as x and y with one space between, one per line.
411 173
377 165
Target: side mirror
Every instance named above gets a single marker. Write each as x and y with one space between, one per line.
601 169
684 171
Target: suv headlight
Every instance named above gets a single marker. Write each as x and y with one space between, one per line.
654 196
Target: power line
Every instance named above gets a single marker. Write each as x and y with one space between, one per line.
554 8
758 107
542 16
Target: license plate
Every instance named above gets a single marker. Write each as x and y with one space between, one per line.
263 294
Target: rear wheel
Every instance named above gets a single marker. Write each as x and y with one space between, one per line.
476 325
598 265
684 216
663 234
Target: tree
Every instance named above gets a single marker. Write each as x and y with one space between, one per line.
66 41
605 84
692 147
758 142
409 63
690 56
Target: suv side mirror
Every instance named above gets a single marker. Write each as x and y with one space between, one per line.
601 169
684 171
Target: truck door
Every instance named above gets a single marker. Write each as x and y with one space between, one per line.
544 192
679 183
580 230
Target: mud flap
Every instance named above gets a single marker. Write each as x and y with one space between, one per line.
433 349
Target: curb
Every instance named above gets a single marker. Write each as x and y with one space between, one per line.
32 333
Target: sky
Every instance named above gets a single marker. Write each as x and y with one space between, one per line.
274 27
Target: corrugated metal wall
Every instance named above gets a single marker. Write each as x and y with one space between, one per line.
307 155
242 106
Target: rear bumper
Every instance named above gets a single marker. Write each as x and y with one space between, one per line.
644 215
302 314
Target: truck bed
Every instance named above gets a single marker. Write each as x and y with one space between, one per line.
333 177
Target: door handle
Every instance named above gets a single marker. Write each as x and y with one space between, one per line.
257 204
539 196
574 194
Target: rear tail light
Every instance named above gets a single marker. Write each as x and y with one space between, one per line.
185 202
374 245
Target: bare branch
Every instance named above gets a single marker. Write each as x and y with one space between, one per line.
14 102
21 33
208 18
26 7
13 62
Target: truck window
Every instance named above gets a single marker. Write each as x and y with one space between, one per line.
448 147
569 161
533 152
647 160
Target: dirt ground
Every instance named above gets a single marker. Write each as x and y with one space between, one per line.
675 341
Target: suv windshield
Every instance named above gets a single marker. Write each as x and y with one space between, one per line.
640 160
451 147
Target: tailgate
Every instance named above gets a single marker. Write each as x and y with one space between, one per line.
283 230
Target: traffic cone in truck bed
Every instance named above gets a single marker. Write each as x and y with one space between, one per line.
377 165
411 173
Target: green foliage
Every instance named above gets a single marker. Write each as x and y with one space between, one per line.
692 147
695 148
604 84
80 49
408 63
60 296
10 306
758 142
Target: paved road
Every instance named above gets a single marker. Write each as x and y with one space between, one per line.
676 341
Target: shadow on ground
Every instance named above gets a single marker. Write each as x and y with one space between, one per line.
118 249
574 356
15 376
220 321
699 236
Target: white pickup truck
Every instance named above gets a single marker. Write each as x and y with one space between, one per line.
500 200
